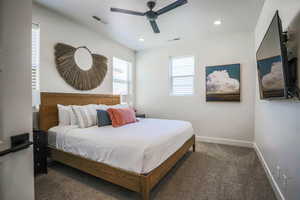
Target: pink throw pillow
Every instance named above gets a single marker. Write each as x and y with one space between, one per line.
121 116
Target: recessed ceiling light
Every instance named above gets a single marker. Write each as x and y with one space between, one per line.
141 39
217 22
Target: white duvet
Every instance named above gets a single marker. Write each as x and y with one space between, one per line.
139 147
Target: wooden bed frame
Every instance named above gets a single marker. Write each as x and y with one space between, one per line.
141 183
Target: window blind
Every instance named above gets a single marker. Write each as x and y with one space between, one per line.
182 75
35 57
121 76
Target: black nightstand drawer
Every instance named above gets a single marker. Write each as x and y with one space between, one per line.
40 150
140 115
40 143
40 138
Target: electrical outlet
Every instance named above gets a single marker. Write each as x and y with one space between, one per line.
284 180
278 172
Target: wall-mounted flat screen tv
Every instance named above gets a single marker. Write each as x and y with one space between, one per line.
272 63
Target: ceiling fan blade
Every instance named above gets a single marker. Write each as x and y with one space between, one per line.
154 26
171 6
130 12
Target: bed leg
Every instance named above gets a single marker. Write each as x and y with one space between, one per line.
194 143
145 188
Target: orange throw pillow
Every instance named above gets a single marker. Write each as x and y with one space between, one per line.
121 116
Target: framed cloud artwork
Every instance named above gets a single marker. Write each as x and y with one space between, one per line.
223 83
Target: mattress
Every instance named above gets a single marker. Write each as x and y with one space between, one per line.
139 147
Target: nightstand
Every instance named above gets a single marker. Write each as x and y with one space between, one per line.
140 115
40 143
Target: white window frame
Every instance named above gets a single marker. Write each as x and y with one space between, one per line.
37 67
129 76
171 77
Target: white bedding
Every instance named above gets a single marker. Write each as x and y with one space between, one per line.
139 147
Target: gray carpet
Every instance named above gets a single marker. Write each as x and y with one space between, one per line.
214 172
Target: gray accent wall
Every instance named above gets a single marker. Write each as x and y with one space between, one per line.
277 123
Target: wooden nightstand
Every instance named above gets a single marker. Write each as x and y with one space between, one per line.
140 115
40 143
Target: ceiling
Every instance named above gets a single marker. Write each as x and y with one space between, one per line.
190 21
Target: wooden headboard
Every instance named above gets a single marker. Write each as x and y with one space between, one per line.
48 116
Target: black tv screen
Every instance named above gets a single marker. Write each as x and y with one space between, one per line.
272 62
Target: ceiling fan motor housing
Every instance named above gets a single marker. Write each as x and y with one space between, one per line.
151 15
151 4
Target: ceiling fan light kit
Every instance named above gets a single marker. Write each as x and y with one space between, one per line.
151 14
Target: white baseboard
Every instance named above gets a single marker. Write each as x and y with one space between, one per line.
3 146
240 143
274 184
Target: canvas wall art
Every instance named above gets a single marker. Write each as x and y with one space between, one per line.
223 83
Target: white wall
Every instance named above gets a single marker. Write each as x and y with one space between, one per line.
16 170
57 28
277 126
211 119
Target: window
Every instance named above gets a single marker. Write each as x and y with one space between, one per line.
121 76
35 57
182 71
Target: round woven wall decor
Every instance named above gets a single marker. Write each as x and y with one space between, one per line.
73 74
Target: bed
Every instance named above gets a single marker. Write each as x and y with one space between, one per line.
135 156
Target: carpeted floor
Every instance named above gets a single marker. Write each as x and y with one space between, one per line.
214 172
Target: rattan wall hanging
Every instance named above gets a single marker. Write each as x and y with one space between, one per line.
75 76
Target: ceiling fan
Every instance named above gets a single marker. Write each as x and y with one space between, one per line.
151 14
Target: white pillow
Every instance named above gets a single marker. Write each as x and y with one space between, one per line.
84 116
92 109
73 118
92 112
125 105
64 118
101 107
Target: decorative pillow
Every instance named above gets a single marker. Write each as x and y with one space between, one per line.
121 116
83 116
103 118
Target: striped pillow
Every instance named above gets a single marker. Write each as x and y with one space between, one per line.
66 115
83 116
